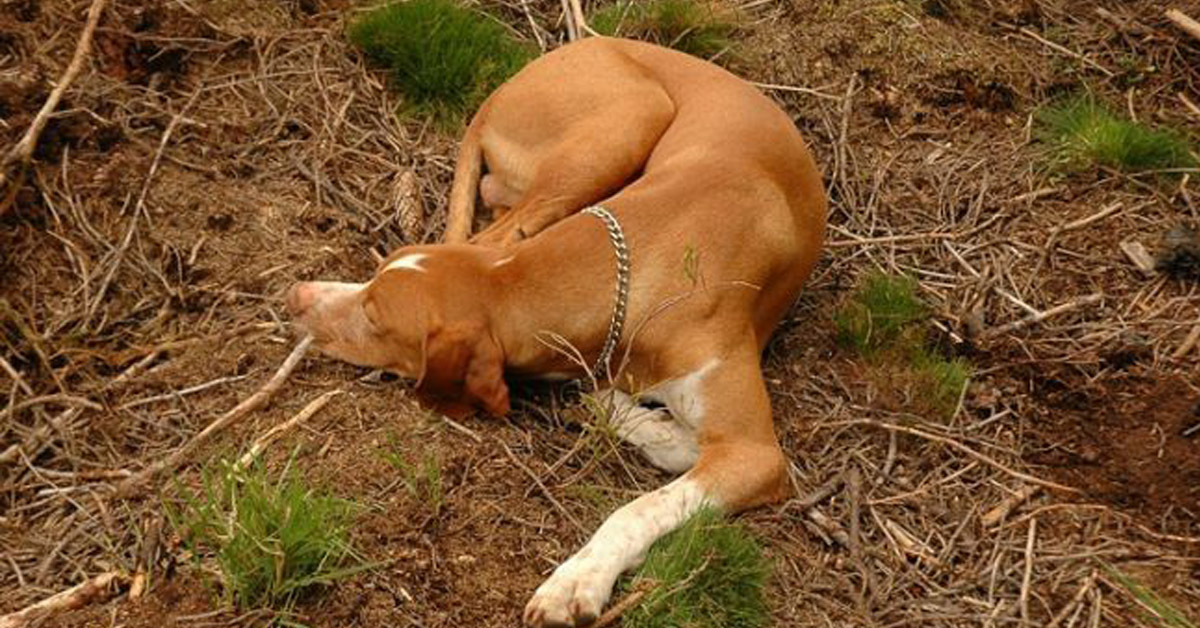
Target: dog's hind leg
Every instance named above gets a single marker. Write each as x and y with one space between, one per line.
594 158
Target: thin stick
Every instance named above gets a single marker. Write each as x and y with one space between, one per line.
273 434
94 589
959 446
134 485
581 26
569 18
69 400
22 152
1062 308
1003 509
1063 49
545 491
1188 343
808 91
1028 577
1075 600
42 435
1185 23
629 601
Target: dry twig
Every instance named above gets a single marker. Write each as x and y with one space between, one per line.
93 590
273 434
135 484
20 154
1184 22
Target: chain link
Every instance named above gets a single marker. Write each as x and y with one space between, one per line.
621 302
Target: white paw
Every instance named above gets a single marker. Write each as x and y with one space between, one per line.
572 596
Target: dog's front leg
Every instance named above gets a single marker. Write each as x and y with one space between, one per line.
577 591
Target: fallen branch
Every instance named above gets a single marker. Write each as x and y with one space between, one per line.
1185 23
959 446
134 485
274 433
1038 317
22 152
93 590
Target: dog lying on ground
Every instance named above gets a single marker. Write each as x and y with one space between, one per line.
710 196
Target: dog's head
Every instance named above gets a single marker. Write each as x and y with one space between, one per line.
399 321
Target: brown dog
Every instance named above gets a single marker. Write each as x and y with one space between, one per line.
721 210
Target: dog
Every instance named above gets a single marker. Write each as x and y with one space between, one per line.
711 210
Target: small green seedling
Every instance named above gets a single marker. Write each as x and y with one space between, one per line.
885 321
880 312
942 380
273 537
1080 133
699 28
423 479
709 573
443 57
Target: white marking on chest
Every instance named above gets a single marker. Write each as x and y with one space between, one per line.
682 395
412 261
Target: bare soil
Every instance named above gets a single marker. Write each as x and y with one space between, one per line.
285 162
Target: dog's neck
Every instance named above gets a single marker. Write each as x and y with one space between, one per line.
573 263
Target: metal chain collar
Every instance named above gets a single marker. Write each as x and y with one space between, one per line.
621 302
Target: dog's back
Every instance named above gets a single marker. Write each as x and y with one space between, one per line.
582 122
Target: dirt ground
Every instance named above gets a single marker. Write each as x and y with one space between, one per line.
213 152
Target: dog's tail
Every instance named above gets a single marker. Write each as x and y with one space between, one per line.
461 214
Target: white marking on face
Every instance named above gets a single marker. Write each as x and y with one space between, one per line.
412 261
504 261
576 591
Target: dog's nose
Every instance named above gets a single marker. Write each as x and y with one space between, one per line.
299 298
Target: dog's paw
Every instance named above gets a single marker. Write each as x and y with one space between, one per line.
572 596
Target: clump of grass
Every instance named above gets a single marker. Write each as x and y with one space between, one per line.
882 309
1164 612
942 380
422 479
444 58
1081 133
273 538
884 321
707 574
699 28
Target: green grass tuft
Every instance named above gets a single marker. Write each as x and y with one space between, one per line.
1081 133
1163 612
273 538
444 58
885 321
423 479
709 574
882 309
942 380
702 29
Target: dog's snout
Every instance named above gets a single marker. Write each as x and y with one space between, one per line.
299 298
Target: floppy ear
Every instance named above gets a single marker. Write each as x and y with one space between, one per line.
464 368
